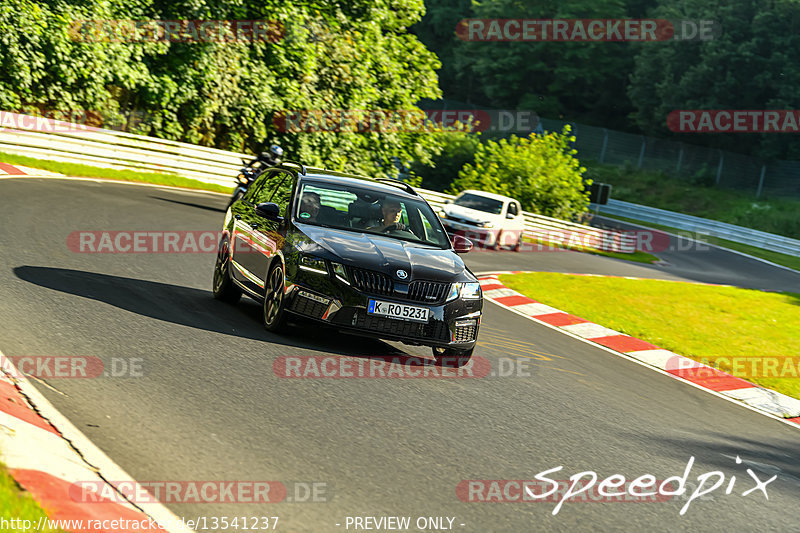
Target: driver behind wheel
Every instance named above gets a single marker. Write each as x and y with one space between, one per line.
392 211
309 206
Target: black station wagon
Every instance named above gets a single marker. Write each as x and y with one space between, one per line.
368 256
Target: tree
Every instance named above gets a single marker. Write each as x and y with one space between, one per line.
458 149
350 55
750 65
541 171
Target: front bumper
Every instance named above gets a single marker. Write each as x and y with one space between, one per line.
482 236
453 324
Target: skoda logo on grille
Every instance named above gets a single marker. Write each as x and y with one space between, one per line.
402 274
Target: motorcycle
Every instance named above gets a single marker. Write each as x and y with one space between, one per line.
247 175
252 169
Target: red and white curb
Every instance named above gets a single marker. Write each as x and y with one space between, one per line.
11 170
703 376
47 455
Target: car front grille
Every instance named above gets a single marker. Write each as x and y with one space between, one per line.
378 283
433 330
461 220
371 282
428 291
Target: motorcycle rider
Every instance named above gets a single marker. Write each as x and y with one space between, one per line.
269 158
251 170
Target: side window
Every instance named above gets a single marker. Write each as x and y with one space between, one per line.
282 192
512 209
264 190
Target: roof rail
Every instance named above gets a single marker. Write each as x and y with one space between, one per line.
397 183
303 169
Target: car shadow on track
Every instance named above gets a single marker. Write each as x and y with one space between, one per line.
196 308
192 204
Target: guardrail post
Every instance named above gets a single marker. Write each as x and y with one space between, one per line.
719 167
761 181
605 145
641 152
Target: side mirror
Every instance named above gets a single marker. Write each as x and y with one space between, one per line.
511 216
269 211
461 245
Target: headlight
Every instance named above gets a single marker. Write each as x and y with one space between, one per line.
442 214
242 179
313 264
485 224
467 291
471 291
339 272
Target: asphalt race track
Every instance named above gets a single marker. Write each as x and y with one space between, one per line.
208 405
697 261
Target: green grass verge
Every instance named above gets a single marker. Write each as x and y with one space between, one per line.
88 171
638 256
790 261
18 504
699 321
697 195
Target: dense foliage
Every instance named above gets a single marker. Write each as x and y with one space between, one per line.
540 171
352 55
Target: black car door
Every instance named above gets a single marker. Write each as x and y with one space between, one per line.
255 238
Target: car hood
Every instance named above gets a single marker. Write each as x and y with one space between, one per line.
385 254
473 215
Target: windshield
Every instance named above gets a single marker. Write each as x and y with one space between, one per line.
479 203
364 211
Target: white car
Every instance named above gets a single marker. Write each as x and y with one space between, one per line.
487 218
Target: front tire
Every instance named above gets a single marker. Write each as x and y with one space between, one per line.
518 246
223 287
452 357
274 308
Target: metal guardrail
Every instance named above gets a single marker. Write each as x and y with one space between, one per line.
74 143
722 230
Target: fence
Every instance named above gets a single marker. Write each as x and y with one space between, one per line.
74 143
115 149
686 161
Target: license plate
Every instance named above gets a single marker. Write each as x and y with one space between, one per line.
398 311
